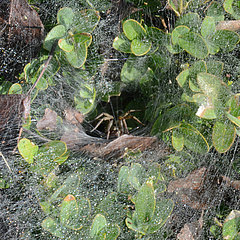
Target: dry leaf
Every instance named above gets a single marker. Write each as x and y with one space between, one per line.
49 120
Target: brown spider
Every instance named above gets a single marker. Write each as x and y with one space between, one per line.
121 124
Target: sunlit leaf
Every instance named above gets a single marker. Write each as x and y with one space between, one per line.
208 27
231 226
56 33
136 175
133 29
233 119
194 44
182 77
99 222
49 224
122 44
140 47
16 88
177 140
178 31
216 10
65 45
27 149
65 17
232 7
145 203
223 136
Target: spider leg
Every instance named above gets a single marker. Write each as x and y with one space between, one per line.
136 119
99 123
109 128
125 128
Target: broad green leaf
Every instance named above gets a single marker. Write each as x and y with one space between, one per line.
234 105
145 203
51 180
46 207
197 67
122 44
193 139
172 118
65 45
86 22
85 98
133 29
52 150
16 88
134 68
226 39
163 211
233 119
178 31
177 140
231 226
223 136
140 47
215 67
111 231
209 84
27 149
78 55
206 108
216 11
194 44
99 222
81 38
191 20
74 212
65 17
212 47
49 224
136 175
232 7
56 33
193 87
208 27
123 184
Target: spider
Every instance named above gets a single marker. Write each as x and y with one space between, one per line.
121 124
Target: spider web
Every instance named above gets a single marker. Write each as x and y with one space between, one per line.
21 215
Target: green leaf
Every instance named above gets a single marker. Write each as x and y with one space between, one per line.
140 47
194 44
99 222
49 224
65 17
65 45
193 139
123 184
136 175
233 119
56 33
231 226
85 98
223 136
16 88
134 68
182 77
178 6
111 231
232 7
122 44
163 211
178 31
177 140
86 22
190 20
133 29
145 203
216 11
226 39
208 27
27 149
209 84
78 56
215 67
74 213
